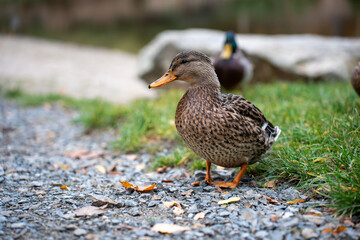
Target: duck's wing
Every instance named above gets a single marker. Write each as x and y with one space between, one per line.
243 110
238 105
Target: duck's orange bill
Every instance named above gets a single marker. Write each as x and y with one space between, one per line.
168 77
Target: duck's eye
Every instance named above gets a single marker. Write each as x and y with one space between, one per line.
184 61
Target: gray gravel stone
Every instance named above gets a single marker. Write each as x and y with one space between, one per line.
309 233
80 232
18 225
131 203
248 214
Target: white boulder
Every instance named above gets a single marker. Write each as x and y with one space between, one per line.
274 56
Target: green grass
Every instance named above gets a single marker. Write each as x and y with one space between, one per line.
318 149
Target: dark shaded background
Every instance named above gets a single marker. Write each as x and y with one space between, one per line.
130 24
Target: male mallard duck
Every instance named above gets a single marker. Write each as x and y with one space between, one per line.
232 65
224 129
355 80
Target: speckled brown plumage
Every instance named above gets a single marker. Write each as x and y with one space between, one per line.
224 129
355 79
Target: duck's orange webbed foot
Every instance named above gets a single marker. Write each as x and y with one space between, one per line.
223 184
236 181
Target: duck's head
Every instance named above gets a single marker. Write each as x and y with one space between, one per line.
230 45
192 67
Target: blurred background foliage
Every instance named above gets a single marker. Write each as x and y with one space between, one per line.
130 24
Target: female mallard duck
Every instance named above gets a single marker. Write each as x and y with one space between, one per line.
232 66
355 80
224 129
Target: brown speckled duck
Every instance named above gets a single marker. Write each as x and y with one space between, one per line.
224 129
355 80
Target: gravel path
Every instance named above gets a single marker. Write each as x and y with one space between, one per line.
40 152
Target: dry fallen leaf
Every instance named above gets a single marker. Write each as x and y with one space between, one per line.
140 166
230 200
187 193
270 184
64 167
83 154
161 169
100 169
64 187
199 215
40 192
77 153
145 188
335 232
177 211
137 188
270 200
170 204
320 160
295 201
167 181
195 184
91 155
89 211
168 228
313 212
274 218
132 157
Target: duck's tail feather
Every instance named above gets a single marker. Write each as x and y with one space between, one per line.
273 132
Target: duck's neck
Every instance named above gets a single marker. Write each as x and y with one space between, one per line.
203 93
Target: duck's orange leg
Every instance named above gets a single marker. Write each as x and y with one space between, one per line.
236 180
208 179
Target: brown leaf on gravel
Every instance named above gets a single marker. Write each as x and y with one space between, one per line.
270 184
187 175
64 167
230 200
335 232
89 211
167 181
178 211
195 184
274 218
199 215
128 227
270 200
100 169
295 201
161 169
83 154
313 212
77 153
139 188
170 204
168 228
187 193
